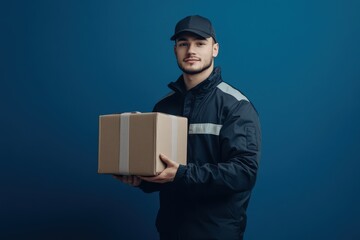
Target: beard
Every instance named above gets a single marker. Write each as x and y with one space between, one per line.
195 71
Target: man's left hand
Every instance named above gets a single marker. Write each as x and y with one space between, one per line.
167 175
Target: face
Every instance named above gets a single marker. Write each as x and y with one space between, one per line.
195 54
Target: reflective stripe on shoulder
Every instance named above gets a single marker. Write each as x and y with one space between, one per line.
205 128
226 88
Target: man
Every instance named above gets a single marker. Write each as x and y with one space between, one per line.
207 198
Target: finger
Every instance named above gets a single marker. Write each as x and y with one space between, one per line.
123 179
116 177
119 177
133 180
150 179
137 181
129 180
156 179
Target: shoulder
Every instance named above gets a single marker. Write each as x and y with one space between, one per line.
234 99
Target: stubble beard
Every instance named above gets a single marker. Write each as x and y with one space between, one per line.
195 71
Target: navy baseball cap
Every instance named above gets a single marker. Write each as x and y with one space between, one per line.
195 24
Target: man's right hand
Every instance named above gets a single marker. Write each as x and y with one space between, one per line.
131 180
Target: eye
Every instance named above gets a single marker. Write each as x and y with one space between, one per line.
183 44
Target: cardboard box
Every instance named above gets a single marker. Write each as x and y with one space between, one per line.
130 143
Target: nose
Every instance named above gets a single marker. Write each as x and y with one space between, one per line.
191 48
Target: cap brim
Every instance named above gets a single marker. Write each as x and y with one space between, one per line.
200 33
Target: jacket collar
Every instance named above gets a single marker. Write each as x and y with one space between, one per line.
208 84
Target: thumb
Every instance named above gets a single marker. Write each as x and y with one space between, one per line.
166 160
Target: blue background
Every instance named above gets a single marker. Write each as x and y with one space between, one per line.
63 63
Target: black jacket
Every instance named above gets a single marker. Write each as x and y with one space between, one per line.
209 196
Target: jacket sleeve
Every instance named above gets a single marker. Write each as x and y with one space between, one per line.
240 143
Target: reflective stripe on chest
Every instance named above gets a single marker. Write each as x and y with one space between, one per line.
205 128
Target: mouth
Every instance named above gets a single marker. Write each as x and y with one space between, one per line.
191 60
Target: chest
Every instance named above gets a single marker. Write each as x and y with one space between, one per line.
207 108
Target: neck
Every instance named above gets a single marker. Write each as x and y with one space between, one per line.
192 80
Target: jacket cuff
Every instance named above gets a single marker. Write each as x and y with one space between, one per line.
180 173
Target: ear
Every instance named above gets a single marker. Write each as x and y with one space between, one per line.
175 50
215 50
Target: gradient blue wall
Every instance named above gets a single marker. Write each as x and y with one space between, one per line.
63 63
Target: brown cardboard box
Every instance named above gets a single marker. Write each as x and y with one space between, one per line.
130 143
